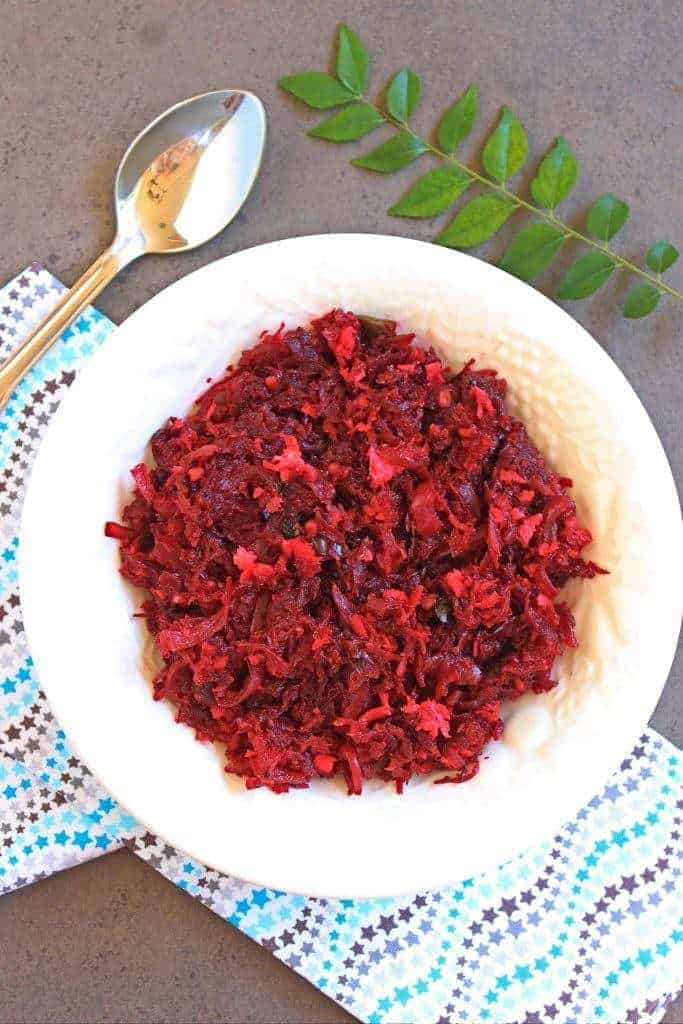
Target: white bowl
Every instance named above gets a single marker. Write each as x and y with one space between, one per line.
558 749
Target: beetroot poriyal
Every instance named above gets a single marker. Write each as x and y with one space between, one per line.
352 555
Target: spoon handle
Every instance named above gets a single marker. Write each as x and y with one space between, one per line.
65 312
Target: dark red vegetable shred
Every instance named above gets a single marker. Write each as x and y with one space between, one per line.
353 555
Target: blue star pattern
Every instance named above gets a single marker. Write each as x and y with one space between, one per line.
586 928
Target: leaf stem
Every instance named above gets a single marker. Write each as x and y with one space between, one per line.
546 215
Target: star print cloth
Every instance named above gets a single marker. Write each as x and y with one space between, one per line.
587 927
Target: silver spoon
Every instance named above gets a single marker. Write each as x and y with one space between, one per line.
181 181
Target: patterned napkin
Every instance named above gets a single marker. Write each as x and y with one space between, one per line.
587 927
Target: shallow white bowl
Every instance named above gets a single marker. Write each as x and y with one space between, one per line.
558 749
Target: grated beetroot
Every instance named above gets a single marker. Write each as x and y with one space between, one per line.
353 556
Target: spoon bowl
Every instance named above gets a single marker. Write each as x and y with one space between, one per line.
186 176
180 182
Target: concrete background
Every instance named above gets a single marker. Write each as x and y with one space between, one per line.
78 79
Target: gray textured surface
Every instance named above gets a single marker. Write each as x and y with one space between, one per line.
77 81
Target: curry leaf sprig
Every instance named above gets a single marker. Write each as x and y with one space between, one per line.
535 246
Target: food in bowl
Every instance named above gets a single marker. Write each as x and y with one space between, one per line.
353 555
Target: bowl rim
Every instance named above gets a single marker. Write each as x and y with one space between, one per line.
30 583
